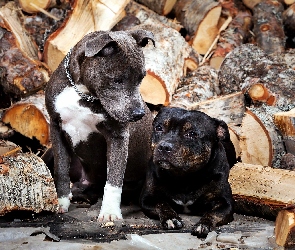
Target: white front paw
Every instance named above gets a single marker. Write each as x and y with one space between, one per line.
110 208
64 203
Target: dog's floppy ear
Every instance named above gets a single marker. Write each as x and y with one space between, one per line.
142 37
222 130
96 44
88 46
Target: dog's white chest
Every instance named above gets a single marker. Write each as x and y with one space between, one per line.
77 121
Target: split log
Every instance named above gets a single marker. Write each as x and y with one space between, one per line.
200 18
87 16
35 5
261 191
199 85
248 65
145 15
285 122
285 228
260 141
25 184
251 3
25 74
106 13
30 118
162 7
268 26
229 108
165 64
236 34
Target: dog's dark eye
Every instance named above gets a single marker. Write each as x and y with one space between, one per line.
159 128
191 134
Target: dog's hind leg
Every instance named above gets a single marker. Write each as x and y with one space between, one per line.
117 152
62 160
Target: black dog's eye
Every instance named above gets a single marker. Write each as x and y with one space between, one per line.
110 49
159 128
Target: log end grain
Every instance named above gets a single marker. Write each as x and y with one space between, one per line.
28 120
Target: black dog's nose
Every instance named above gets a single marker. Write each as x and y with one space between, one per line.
165 147
137 114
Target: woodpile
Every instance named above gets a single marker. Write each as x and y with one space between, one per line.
25 182
234 60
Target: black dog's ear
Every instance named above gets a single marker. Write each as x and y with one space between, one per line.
222 130
142 37
96 44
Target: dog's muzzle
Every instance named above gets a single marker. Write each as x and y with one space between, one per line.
137 114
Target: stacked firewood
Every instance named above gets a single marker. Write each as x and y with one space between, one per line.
234 60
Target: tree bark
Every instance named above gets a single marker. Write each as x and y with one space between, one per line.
260 141
145 15
199 85
200 18
26 184
229 108
268 26
285 122
165 64
25 74
235 35
249 65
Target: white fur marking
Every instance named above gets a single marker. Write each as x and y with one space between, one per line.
64 203
110 208
77 121
186 210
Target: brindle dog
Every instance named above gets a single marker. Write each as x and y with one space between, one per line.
192 156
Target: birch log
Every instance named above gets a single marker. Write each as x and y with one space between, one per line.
146 15
285 122
249 65
165 63
200 18
30 118
87 16
25 74
268 26
261 191
26 184
260 141
162 7
285 228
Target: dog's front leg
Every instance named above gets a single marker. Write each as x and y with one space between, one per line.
117 152
62 162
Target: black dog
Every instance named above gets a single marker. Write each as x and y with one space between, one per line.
94 102
192 156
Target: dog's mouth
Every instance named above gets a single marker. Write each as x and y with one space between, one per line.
164 164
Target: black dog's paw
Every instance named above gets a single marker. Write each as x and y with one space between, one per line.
174 223
201 230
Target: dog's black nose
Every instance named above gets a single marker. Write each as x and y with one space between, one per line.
165 147
137 114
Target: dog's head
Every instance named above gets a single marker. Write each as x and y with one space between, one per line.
185 140
111 65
